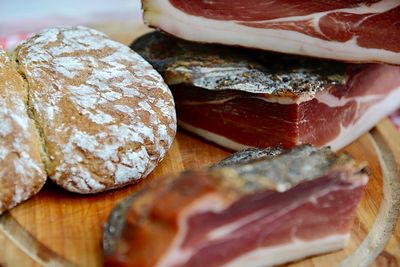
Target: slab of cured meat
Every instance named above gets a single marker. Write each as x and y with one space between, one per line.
241 98
260 210
355 30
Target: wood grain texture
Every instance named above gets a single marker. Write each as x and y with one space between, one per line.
380 233
58 228
70 225
66 228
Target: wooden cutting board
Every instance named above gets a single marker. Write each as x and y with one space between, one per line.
58 228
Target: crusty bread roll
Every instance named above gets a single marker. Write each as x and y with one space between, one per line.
22 172
106 116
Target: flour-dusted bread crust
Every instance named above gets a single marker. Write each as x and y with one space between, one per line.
106 115
22 172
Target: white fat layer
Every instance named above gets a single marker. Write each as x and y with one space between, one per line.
381 6
332 101
370 118
164 15
267 98
323 97
174 254
213 137
297 249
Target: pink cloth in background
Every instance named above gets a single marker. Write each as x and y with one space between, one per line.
395 118
21 18
9 42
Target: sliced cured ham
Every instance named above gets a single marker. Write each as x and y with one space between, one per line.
355 30
242 98
263 210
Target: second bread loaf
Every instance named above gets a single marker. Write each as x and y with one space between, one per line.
22 172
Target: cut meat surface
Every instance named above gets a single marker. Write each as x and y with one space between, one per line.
242 98
259 209
362 31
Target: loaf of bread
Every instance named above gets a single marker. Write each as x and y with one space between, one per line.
22 173
105 115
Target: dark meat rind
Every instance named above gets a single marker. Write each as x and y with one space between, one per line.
215 67
112 230
285 170
248 155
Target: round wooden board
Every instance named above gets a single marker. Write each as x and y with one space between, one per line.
57 228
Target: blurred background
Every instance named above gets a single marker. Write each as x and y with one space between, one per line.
120 19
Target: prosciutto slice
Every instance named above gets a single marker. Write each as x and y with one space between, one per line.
258 209
242 98
349 30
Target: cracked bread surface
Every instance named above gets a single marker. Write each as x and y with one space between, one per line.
106 117
22 172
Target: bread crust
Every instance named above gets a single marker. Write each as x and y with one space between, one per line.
22 172
106 116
